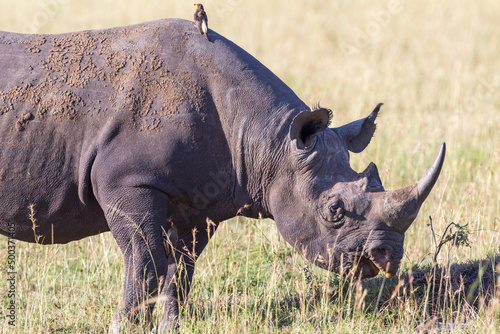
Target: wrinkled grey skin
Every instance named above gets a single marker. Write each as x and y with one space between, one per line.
130 129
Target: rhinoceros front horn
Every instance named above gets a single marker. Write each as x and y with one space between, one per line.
402 205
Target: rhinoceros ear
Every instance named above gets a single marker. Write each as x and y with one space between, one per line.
306 125
357 135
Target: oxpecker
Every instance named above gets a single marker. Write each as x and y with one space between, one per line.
201 20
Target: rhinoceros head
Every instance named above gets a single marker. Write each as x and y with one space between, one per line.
337 218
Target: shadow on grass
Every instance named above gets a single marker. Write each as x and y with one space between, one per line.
434 295
416 299
470 283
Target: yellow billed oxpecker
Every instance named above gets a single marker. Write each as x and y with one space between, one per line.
201 20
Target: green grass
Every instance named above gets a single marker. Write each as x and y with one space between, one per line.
435 65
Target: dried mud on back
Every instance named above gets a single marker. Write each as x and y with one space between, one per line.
95 73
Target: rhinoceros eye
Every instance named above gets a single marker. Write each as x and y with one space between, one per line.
333 213
337 211
332 210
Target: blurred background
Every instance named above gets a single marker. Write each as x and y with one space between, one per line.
435 65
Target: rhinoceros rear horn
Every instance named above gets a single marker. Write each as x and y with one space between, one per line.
402 205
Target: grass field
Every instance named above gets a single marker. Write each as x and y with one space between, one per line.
435 65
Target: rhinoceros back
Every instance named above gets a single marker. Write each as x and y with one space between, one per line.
64 98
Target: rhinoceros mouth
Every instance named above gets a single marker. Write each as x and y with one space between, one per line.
364 266
367 268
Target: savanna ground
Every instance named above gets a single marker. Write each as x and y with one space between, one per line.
436 67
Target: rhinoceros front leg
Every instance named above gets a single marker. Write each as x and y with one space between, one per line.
190 244
135 217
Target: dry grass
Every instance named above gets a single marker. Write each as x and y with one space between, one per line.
435 65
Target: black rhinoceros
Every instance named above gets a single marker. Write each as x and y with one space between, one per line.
133 129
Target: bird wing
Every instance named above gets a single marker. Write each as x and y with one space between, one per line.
204 26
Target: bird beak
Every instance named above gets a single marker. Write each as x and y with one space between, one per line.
195 5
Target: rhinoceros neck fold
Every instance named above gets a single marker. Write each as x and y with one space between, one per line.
258 146
255 109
